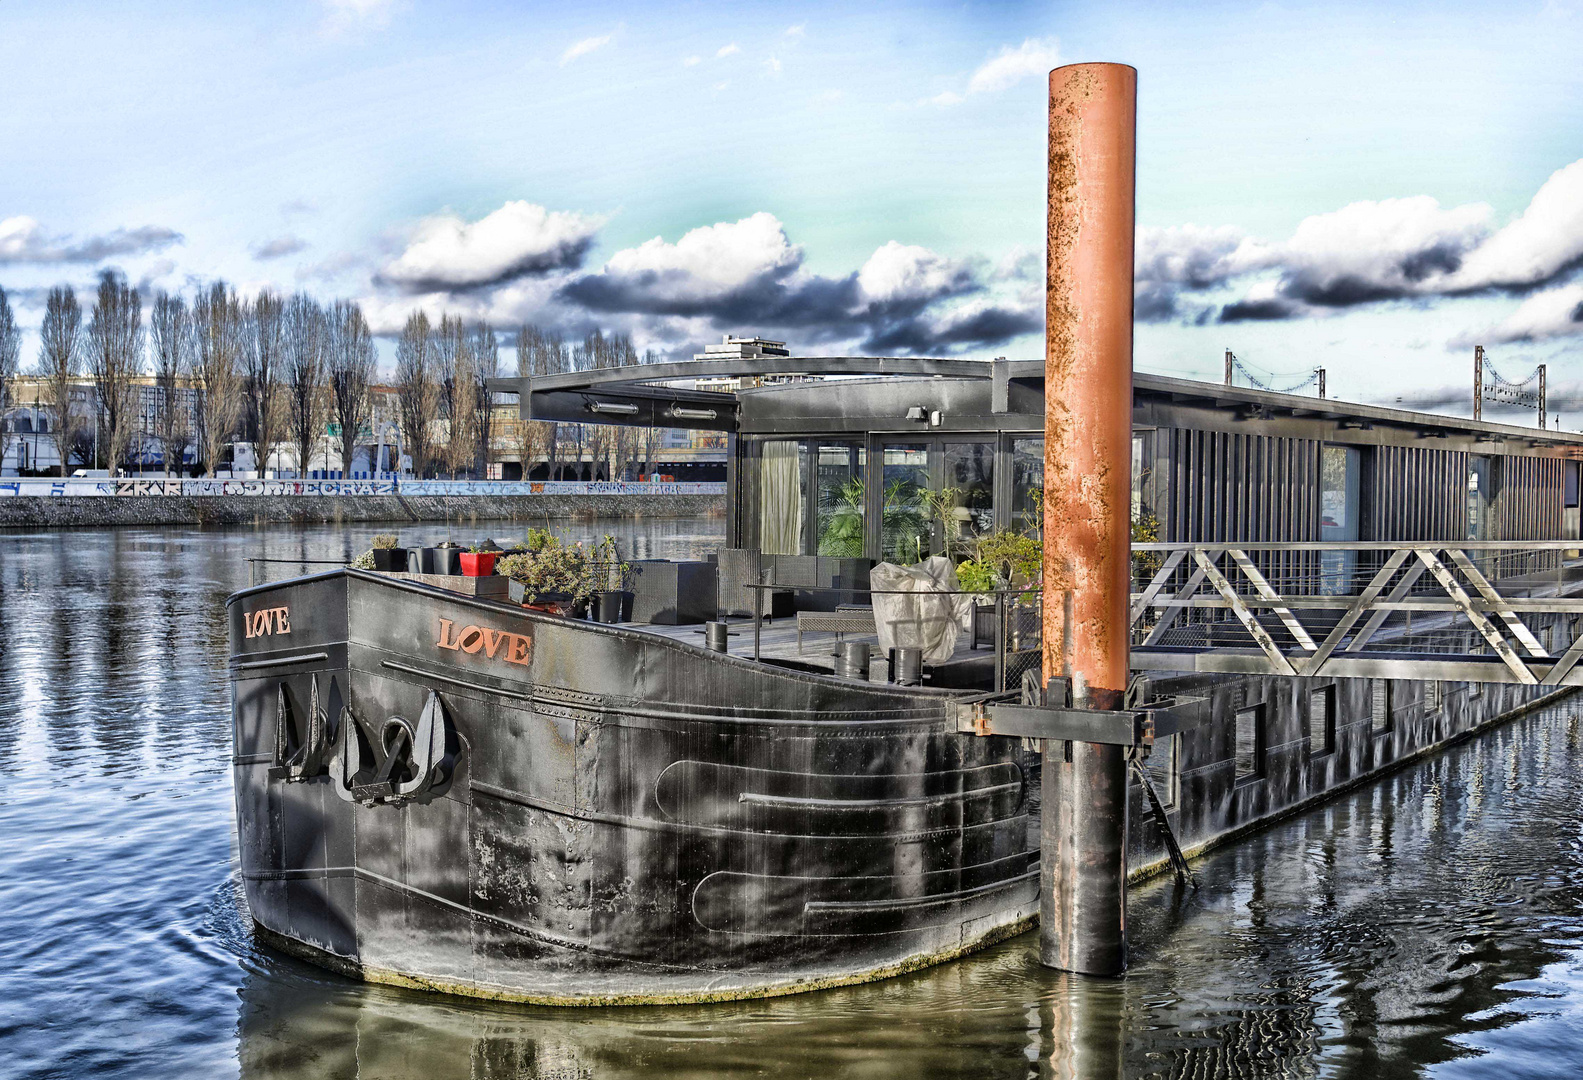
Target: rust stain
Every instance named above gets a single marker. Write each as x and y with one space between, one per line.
1088 370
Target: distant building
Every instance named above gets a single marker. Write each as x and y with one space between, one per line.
744 348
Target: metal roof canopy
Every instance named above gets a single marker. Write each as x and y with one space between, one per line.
642 400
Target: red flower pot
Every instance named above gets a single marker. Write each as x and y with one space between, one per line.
479 563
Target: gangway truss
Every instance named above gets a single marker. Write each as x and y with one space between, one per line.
1469 611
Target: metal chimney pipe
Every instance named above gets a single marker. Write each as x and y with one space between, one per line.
1087 506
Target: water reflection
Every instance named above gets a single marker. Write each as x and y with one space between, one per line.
1428 924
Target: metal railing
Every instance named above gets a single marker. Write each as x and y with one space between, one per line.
1477 611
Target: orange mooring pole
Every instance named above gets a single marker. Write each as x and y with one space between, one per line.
1087 506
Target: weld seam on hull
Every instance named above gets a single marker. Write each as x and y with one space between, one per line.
906 903
484 687
301 658
791 801
506 795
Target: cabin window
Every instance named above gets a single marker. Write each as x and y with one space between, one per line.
1569 473
838 500
1322 720
1380 706
1250 743
904 527
1027 485
1339 505
781 499
1480 492
970 470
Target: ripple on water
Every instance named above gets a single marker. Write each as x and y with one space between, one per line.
1427 924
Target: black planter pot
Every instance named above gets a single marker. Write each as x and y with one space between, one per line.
390 559
612 606
519 595
447 561
420 561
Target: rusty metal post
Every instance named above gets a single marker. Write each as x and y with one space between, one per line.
1087 507
1541 396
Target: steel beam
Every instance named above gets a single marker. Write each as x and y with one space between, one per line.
1087 504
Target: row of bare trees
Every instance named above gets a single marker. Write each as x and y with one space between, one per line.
444 405
272 371
545 352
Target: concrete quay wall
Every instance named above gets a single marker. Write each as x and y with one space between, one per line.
67 511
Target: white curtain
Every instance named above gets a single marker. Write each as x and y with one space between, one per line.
780 500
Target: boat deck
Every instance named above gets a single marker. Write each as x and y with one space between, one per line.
778 641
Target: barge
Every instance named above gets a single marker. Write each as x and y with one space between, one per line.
454 792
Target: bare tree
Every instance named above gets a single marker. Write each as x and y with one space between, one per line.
10 353
304 371
115 358
453 387
416 395
486 366
262 362
60 364
170 341
351 361
218 343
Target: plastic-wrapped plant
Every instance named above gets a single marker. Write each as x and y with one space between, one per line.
365 561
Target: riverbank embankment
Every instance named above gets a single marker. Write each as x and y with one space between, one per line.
66 511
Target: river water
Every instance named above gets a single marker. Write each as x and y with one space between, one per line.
1428 924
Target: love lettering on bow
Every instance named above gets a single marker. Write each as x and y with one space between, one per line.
495 644
266 622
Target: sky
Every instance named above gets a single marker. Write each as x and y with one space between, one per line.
1370 188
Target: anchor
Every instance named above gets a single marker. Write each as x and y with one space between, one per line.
415 759
307 759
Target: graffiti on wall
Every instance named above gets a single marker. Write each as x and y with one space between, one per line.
143 488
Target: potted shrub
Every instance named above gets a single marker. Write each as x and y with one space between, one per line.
386 555
549 576
478 562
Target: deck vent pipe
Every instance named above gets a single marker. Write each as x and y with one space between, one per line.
716 636
907 670
851 660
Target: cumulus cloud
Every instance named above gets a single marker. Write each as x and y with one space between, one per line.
1545 242
944 99
23 240
279 247
518 240
1035 56
1552 313
583 48
748 274
1374 252
727 50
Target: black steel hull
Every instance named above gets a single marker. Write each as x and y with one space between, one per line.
620 818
